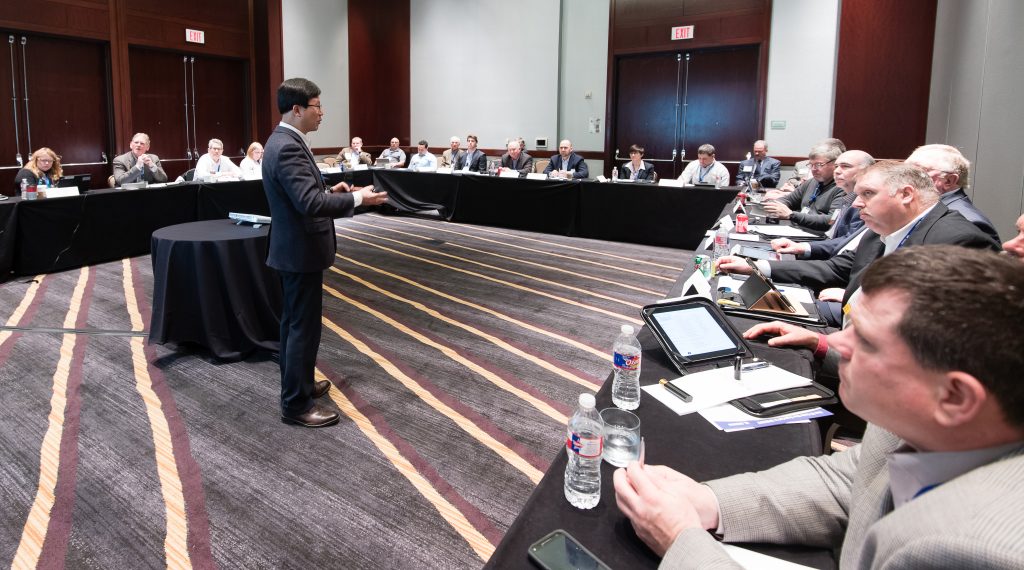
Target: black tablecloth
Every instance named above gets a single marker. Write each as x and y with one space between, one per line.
418 191
211 287
687 443
8 229
548 206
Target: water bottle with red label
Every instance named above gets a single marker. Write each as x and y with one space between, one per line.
626 358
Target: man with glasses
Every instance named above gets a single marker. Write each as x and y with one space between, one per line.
950 171
812 204
302 245
214 165
138 165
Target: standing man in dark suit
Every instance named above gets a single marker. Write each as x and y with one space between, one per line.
567 164
302 244
761 167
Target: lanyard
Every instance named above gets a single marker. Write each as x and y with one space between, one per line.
814 196
702 173
912 228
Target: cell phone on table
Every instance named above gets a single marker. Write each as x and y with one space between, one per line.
560 551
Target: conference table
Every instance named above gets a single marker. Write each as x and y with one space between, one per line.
687 443
211 287
56 234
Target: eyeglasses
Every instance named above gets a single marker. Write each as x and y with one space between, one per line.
318 106
215 148
44 160
820 165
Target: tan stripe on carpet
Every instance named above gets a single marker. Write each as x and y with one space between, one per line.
26 302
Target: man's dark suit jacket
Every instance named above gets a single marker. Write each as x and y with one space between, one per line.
940 226
302 232
819 213
959 200
846 227
524 165
477 162
767 176
575 162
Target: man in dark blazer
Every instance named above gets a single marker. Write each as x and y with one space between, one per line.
302 244
473 159
567 163
761 167
950 171
911 215
517 159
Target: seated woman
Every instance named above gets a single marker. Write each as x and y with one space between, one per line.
42 169
252 164
636 168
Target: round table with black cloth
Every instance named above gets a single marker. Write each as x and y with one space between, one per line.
211 287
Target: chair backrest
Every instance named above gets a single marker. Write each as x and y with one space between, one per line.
111 182
540 165
189 174
330 161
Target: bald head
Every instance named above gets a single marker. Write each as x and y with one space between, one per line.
849 166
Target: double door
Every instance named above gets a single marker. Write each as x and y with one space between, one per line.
671 103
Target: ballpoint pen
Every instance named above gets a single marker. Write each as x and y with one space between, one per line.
676 391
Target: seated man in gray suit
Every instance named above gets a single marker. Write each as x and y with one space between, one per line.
760 167
812 204
951 171
517 159
138 165
933 363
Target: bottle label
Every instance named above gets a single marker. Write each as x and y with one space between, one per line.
626 361
586 447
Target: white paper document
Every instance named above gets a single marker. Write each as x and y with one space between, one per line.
729 418
744 237
717 386
781 231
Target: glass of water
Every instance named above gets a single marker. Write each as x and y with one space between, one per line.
621 436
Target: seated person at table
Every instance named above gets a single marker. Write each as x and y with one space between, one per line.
423 161
214 165
900 206
252 164
636 168
761 168
848 224
936 481
567 164
451 155
395 155
705 170
353 155
42 169
813 203
951 171
138 165
516 159
473 159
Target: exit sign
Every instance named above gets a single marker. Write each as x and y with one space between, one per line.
682 33
199 36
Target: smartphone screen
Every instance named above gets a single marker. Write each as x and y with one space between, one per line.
560 551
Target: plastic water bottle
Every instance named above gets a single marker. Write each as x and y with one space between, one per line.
721 244
24 188
584 443
615 174
626 359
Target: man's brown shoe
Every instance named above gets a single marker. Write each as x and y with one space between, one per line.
320 388
314 418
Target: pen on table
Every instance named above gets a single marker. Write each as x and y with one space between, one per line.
676 391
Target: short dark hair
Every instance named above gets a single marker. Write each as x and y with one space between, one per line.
636 148
965 313
423 142
295 91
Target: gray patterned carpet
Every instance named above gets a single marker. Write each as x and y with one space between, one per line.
456 353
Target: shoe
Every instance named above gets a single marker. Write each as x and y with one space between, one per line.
320 388
314 418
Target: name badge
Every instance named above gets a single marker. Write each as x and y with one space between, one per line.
748 168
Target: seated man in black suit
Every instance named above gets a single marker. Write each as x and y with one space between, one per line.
567 164
813 203
951 171
900 206
762 168
517 159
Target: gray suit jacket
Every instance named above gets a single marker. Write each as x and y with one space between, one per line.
767 176
126 172
842 501
959 200
524 165
302 231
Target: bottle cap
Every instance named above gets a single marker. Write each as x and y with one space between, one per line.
627 329
587 400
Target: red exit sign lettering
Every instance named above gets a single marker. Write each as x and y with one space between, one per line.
199 36
682 33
